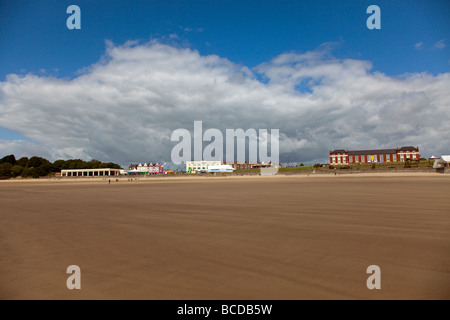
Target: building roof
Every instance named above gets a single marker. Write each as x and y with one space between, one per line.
371 152
146 164
338 151
374 152
408 148
446 158
96 169
365 152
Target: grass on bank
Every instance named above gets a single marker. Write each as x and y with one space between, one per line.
423 163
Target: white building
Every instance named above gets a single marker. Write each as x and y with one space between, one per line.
221 168
107 172
201 166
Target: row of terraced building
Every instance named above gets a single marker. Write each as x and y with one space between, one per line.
342 157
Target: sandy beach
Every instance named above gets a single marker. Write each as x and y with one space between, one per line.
280 237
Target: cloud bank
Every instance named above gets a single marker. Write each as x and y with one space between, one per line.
124 107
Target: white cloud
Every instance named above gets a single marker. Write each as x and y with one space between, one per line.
440 44
21 148
124 108
418 45
189 29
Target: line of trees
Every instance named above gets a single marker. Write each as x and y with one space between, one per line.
36 167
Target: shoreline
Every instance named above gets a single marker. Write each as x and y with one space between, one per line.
192 178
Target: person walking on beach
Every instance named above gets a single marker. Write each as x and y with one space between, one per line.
109 181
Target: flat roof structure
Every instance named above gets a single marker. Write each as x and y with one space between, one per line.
104 172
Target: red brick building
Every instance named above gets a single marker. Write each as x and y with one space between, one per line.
340 156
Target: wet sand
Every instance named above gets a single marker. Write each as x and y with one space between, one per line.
276 237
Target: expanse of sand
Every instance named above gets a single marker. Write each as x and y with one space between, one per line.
281 237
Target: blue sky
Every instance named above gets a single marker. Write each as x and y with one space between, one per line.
414 37
34 35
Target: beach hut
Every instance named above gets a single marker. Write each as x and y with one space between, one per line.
442 165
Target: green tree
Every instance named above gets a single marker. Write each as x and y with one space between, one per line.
5 170
11 159
25 172
44 169
59 165
35 162
93 164
110 165
76 164
34 173
30 172
23 162
38 166
16 171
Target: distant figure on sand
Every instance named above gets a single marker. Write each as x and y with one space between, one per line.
109 181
